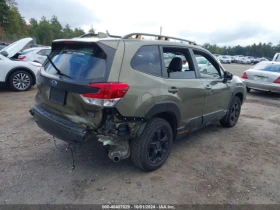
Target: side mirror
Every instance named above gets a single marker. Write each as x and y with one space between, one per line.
227 76
4 53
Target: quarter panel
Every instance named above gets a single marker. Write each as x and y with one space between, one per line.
144 89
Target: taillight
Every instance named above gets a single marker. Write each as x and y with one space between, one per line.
21 57
244 76
277 81
108 94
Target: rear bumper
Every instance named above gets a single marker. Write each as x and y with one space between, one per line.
263 86
58 127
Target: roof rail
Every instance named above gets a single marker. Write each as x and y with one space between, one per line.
99 35
157 36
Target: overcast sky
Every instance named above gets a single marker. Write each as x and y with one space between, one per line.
219 22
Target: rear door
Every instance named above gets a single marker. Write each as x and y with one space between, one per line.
68 94
183 87
217 93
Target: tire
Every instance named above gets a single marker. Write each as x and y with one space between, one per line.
248 89
157 135
232 116
20 81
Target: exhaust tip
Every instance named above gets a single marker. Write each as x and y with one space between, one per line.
116 159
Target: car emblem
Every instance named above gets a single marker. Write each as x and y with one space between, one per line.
53 83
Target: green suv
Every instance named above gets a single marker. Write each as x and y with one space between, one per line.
135 94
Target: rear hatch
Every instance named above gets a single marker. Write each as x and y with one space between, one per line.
13 49
70 86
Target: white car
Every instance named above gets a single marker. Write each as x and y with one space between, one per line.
245 60
18 75
36 54
205 66
225 59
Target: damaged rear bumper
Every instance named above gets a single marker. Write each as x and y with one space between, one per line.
58 127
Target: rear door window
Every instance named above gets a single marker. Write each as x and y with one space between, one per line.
147 60
80 61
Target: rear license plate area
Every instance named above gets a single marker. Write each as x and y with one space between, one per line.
259 78
57 96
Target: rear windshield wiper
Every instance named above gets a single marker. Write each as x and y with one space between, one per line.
57 70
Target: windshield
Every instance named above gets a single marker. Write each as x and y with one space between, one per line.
273 67
79 61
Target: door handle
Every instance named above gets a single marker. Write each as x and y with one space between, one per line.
173 90
208 87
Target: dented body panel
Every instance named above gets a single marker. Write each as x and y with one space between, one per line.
88 64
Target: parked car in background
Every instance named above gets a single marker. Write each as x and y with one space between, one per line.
263 76
225 59
256 60
251 58
231 58
245 60
2 47
238 59
18 75
36 54
276 57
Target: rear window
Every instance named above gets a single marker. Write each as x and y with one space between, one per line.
273 67
79 61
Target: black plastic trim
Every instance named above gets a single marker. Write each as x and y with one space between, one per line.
164 107
118 115
68 85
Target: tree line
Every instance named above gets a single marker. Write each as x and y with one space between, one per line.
13 26
255 50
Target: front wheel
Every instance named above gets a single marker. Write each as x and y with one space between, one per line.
150 151
232 116
20 81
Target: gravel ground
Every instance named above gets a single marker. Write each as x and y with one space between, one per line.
215 165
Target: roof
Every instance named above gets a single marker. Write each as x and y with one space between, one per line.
134 37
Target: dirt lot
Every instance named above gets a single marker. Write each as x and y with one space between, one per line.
215 165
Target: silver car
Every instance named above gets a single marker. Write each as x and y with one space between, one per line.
263 76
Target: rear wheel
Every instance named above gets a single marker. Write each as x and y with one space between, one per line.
150 151
232 116
20 81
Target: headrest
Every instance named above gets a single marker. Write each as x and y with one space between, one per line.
175 64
